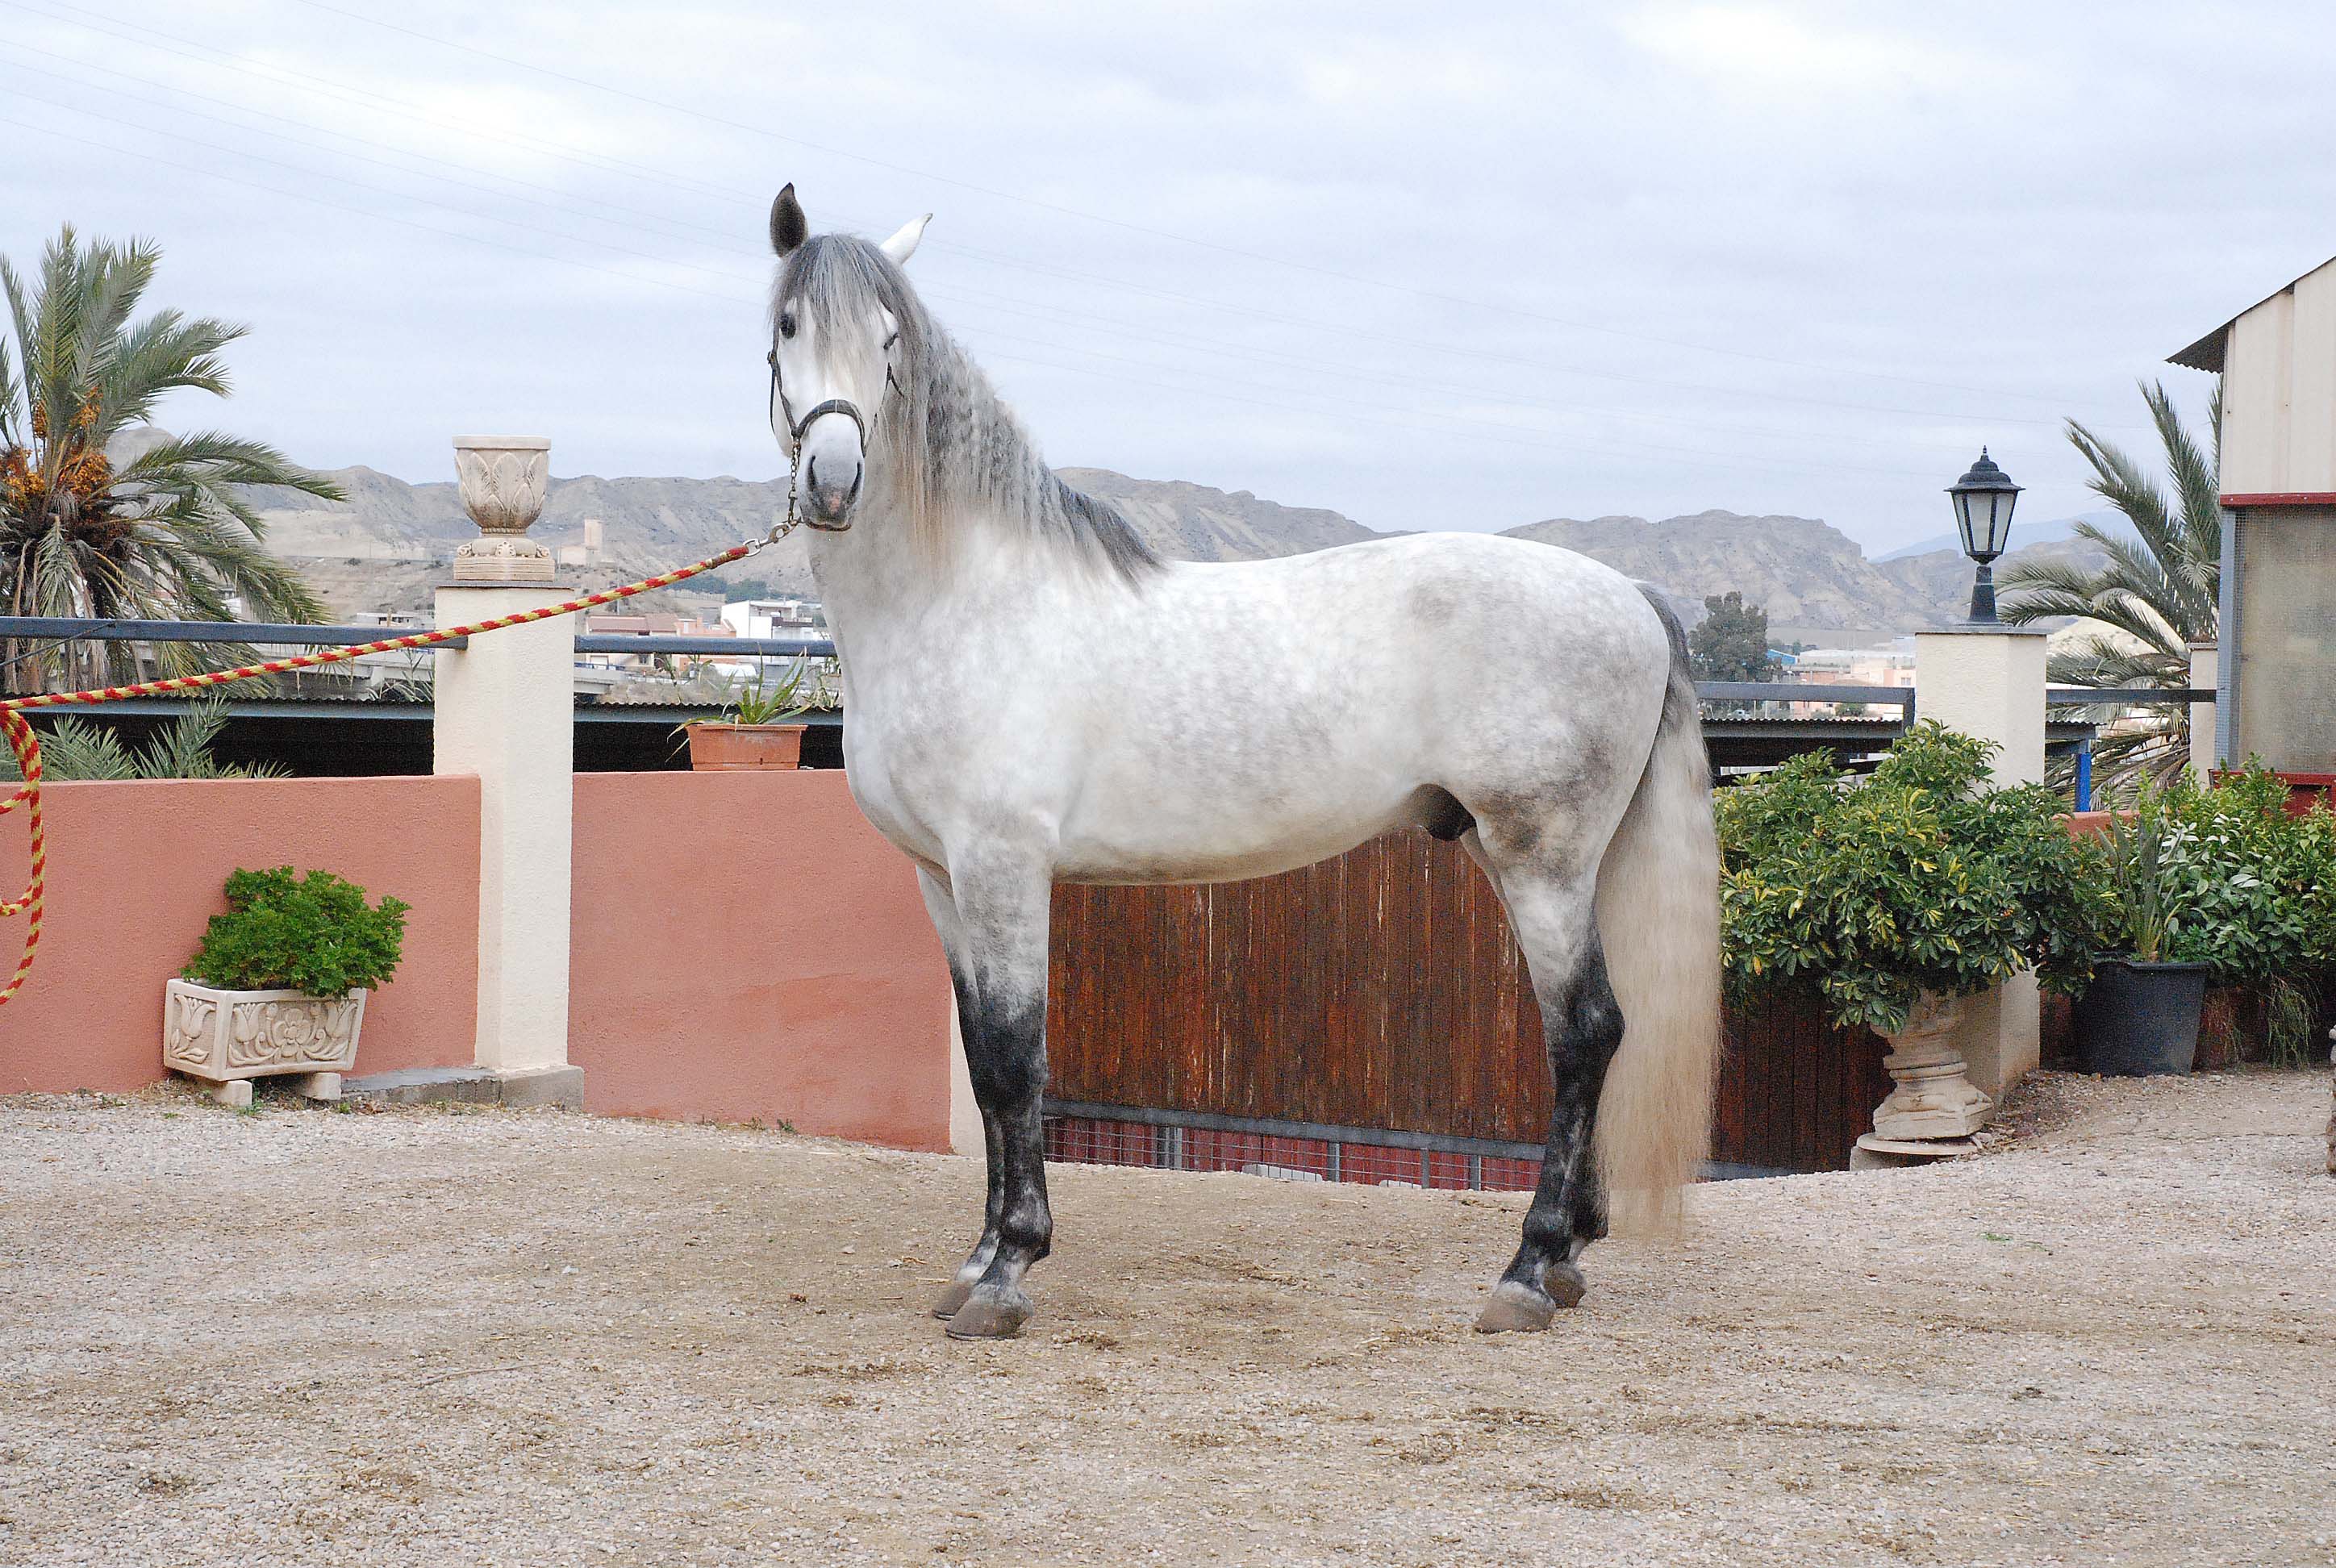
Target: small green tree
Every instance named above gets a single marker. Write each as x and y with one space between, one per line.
1731 641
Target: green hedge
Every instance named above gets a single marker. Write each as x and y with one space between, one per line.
311 933
1867 892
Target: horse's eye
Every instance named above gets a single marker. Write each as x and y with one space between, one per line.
786 323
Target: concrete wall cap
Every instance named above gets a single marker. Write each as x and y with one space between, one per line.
1971 629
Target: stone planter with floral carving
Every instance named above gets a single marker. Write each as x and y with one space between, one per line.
230 1037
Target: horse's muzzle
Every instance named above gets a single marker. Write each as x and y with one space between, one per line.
827 501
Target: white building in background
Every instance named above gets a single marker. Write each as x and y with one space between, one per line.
1890 664
789 617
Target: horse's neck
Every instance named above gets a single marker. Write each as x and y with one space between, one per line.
887 595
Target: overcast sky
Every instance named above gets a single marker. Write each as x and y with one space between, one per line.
1435 267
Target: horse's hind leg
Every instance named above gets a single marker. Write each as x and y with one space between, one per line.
992 916
1556 928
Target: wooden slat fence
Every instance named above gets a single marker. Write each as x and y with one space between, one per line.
1382 989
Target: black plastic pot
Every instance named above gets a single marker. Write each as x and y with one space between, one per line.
2140 1018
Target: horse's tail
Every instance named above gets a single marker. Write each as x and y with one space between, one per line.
1658 919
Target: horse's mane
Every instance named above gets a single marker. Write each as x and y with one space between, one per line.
954 442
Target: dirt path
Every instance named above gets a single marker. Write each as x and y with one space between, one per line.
433 1339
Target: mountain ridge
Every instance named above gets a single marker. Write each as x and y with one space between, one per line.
383 548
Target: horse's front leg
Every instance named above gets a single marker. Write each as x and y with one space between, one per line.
994 924
942 907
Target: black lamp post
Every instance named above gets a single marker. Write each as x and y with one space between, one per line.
1983 501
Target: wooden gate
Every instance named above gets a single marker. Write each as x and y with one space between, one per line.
1382 990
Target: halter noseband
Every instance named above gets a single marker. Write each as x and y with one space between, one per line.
796 429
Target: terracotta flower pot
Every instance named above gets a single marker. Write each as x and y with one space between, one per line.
731 747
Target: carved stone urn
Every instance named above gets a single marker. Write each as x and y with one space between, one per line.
503 482
230 1037
1933 1098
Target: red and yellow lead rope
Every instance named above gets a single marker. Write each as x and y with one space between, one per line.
27 743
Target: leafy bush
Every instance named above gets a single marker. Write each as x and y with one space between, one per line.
312 933
2240 886
1922 877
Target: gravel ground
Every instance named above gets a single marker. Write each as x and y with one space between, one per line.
298 1336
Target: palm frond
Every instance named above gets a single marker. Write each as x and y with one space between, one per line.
170 534
2160 588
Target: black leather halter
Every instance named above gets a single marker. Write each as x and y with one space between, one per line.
796 427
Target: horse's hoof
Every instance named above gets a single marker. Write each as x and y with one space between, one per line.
1515 1309
1565 1285
989 1318
952 1299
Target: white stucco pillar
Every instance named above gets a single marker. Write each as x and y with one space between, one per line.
1988 681
506 711
2206 664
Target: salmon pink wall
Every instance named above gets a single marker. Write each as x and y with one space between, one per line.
135 870
745 946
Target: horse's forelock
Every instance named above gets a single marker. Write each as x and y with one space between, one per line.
839 281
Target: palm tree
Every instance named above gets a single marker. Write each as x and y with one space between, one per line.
2161 592
166 534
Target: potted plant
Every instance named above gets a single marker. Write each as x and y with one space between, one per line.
2141 1014
2219 886
1890 898
279 983
756 728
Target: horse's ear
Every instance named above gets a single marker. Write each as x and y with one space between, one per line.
789 227
903 244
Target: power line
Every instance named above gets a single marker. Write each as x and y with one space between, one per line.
1109 324
363 212
1011 305
406 110
1318 270
1214 391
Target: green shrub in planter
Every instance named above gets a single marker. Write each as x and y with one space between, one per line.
2237 885
313 933
1867 892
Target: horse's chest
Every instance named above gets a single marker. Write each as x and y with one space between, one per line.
895 772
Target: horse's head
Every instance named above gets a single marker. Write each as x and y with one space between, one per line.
843 322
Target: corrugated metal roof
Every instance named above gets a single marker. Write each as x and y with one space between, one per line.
2206 353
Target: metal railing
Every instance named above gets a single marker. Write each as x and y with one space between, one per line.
2124 696
1901 697
67 628
272 634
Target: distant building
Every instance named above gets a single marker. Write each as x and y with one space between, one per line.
585 554
1890 664
789 617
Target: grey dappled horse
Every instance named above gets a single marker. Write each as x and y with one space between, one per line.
1035 696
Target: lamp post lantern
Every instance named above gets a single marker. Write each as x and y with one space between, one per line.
1983 500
